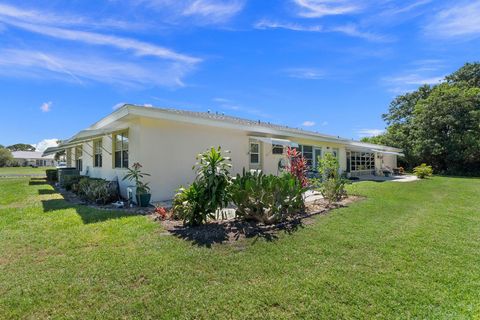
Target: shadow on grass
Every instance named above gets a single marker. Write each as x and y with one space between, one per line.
231 231
37 182
88 214
46 191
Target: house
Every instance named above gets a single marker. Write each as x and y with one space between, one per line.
33 158
166 142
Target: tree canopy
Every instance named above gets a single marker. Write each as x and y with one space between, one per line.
21 147
439 125
5 157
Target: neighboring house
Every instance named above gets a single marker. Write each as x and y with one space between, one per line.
166 141
33 158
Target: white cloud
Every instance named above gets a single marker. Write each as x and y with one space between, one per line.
215 11
308 123
349 30
46 106
324 123
320 8
370 132
118 105
461 20
305 73
44 144
76 68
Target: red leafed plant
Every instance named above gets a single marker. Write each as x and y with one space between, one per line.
162 212
297 165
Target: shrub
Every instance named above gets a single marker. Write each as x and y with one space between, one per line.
331 184
297 165
135 174
52 175
97 190
266 198
422 171
195 204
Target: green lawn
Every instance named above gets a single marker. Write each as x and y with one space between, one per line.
411 250
23 170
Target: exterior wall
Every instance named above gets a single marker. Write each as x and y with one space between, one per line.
33 162
168 150
389 160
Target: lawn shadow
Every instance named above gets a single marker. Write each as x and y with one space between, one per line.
88 214
46 191
37 182
233 231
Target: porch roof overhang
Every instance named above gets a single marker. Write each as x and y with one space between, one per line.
282 142
389 152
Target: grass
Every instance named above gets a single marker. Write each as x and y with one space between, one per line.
23 170
411 250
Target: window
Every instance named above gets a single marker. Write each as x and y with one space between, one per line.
97 153
307 152
335 153
121 150
277 149
254 153
361 161
78 157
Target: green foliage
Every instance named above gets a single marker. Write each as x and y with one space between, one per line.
21 147
97 190
52 175
266 198
195 204
6 158
135 174
331 185
422 171
439 125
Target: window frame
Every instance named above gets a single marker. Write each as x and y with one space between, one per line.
79 157
276 148
254 153
98 153
123 163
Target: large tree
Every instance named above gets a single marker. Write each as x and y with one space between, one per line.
439 125
21 147
5 157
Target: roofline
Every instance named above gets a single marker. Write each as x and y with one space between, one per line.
156 113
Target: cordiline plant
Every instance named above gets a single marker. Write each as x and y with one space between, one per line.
297 165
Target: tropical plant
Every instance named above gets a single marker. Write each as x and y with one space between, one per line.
135 174
195 204
422 171
332 184
297 165
96 190
266 198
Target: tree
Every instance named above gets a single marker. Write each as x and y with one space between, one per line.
438 125
5 157
21 147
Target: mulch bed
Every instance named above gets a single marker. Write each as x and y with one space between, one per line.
233 230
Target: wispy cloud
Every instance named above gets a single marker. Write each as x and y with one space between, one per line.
201 12
350 30
305 73
118 105
320 8
75 68
421 72
308 123
457 21
46 106
369 132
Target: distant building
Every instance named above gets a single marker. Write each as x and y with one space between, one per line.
33 158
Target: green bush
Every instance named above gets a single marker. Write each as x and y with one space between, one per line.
266 198
423 171
195 204
52 175
332 184
97 190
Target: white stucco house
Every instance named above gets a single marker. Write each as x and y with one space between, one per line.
33 158
166 141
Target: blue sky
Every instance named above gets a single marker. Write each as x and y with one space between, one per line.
324 65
